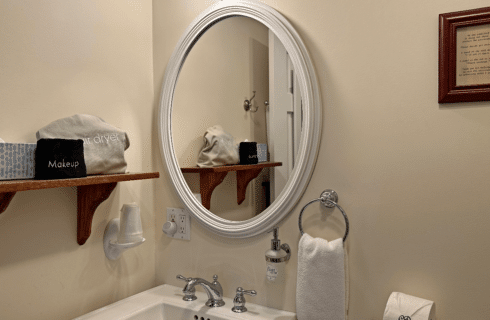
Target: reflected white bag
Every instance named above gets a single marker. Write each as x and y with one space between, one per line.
219 149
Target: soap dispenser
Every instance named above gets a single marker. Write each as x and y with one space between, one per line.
276 256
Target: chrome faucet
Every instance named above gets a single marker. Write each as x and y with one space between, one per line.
214 290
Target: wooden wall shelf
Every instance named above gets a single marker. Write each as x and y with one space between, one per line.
210 178
91 192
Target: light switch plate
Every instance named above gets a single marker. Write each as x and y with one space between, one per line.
182 219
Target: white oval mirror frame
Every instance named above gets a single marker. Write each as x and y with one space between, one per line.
310 137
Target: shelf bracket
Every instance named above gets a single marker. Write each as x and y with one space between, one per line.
243 178
91 192
210 178
89 197
5 198
208 182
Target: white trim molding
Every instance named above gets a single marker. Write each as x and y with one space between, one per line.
312 108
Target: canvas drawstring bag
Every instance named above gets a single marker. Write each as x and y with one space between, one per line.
103 144
219 149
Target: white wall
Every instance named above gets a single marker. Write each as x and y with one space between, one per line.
412 175
59 58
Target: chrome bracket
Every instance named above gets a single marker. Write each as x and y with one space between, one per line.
328 196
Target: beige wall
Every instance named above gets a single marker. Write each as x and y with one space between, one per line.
59 58
412 175
213 84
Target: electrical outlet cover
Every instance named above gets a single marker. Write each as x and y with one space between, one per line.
183 220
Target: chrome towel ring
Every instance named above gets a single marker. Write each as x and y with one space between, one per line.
329 199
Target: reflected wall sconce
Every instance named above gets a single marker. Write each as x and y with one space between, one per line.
123 233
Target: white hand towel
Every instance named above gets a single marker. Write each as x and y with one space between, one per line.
403 306
320 288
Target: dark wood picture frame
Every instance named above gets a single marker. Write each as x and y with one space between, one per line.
449 23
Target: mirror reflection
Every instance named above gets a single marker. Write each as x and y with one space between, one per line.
235 60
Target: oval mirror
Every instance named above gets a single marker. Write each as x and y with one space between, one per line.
240 53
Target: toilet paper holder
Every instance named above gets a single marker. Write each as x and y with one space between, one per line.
401 306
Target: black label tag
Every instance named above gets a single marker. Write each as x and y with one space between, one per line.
59 159
248 153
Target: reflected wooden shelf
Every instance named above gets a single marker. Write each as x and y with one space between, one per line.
91 192
210 178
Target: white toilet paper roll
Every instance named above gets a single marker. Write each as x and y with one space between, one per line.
402 306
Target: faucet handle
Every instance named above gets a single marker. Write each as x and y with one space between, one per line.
239 300
189 295
181 277
252 293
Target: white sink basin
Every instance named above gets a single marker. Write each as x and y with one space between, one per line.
165 303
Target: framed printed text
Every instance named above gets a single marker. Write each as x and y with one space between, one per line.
464 56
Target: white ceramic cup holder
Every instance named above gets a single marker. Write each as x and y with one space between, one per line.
123 233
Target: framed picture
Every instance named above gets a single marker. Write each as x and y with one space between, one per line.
464 56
